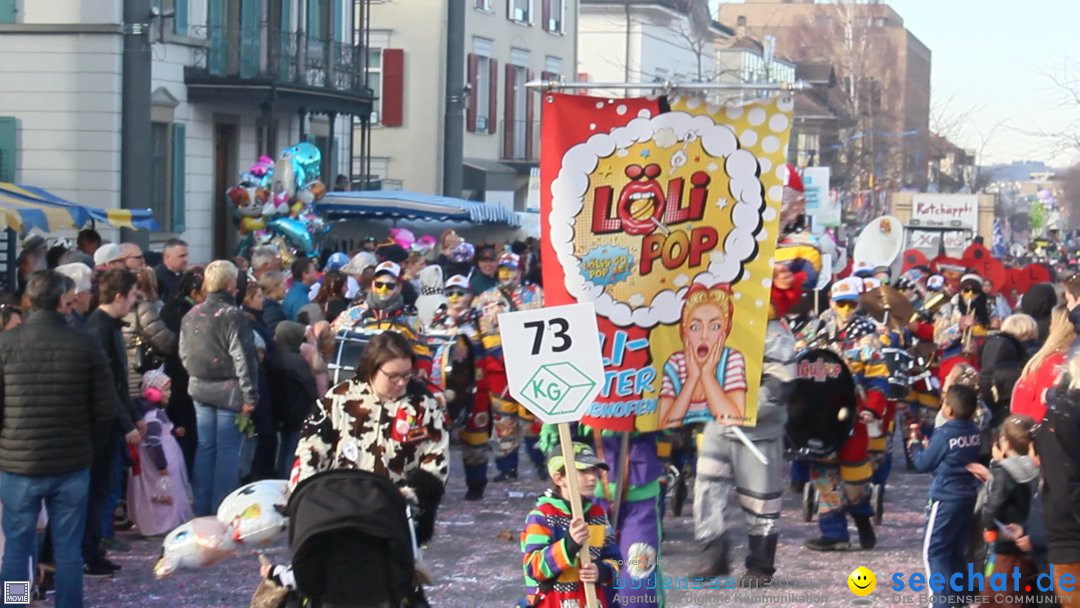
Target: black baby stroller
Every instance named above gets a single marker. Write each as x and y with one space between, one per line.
352 542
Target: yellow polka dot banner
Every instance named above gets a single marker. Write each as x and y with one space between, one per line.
663 213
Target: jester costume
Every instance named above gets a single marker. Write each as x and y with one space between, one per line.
376 315
510 419
842 483
476 434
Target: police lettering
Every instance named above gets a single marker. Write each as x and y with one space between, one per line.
967 441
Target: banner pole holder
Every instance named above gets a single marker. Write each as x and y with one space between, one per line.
667 86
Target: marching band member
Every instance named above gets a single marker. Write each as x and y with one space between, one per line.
971 319
464 321
509 416
384 308
842 482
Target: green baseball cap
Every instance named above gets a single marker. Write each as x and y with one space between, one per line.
584 458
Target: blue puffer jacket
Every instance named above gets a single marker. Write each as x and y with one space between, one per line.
954 445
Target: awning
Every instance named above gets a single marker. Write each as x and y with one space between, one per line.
400 204
36 207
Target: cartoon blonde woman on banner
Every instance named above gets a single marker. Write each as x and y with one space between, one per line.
706 380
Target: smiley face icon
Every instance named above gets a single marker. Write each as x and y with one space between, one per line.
861 581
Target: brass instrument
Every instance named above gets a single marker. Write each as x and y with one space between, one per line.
930 307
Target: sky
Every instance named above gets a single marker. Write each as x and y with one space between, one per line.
990 61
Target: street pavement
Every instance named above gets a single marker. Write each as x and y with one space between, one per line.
477 560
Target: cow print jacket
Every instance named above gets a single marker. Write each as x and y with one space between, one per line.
352 429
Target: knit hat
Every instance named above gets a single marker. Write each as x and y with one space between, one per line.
155 384
109 252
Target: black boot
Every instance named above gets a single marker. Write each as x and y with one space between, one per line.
714 562
867 538
760 561
475 490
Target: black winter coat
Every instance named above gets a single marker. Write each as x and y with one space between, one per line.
292 388
181 410
1003 358
1013 481
109 334
57 398
1058 445
144 321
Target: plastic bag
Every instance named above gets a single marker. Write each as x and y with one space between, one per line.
201 542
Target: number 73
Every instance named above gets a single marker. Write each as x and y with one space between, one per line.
559 325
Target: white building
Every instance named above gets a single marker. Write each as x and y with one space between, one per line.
657 41
507 43
231 79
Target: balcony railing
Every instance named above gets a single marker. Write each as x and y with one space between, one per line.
282 57
522 141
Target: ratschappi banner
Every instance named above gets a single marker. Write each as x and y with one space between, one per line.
664 213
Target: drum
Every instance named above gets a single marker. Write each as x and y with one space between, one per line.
902 366
455 375
348 346
823 405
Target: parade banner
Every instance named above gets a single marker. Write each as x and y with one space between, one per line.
663 213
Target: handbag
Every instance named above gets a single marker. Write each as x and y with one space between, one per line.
146 358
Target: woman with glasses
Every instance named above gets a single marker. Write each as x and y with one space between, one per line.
383 421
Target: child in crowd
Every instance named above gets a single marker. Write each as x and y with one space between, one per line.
1014 480
954 446
159 493
552 539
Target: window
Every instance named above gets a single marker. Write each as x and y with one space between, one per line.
519 11
483 78
880 22
8 129
741 21
554 12
483 92
167 174
374 81
482 5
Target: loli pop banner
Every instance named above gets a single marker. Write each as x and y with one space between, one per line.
663 212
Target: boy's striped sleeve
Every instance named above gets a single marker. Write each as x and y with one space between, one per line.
544 558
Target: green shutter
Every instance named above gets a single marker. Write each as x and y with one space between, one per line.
250 15
216 24
333 171
7 11
284 50
314 20
179 177
7 148
180 23
335 21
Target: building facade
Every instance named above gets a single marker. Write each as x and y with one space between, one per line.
507 44
882 68
231 80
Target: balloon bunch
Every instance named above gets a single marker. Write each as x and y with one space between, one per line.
274 199
250 516
407 241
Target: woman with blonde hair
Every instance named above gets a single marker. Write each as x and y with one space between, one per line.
1044 368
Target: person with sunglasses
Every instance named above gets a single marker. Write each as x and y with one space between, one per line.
843 484
382 308
509 418
972 318
462 320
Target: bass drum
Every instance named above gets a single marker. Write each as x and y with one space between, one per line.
902 366
348 346
822 407
455 377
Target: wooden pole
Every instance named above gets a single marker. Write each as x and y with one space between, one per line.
584 558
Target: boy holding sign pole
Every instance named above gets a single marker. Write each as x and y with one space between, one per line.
568 545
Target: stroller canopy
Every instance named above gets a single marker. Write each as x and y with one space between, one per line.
328 509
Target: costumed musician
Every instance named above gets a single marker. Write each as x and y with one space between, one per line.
842 482
510 419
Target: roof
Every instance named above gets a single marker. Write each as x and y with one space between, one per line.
816 73
24 207
402 204
679 6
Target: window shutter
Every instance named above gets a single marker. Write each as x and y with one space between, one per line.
474 80
493 96
393 87
8 129
508 123
7 11
250 45
180 24
335 21
179 178
529 118
545 13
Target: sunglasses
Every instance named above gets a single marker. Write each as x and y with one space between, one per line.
846 304
385 285
455 293
968 290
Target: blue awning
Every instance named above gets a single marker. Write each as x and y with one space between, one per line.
32 199
401 204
